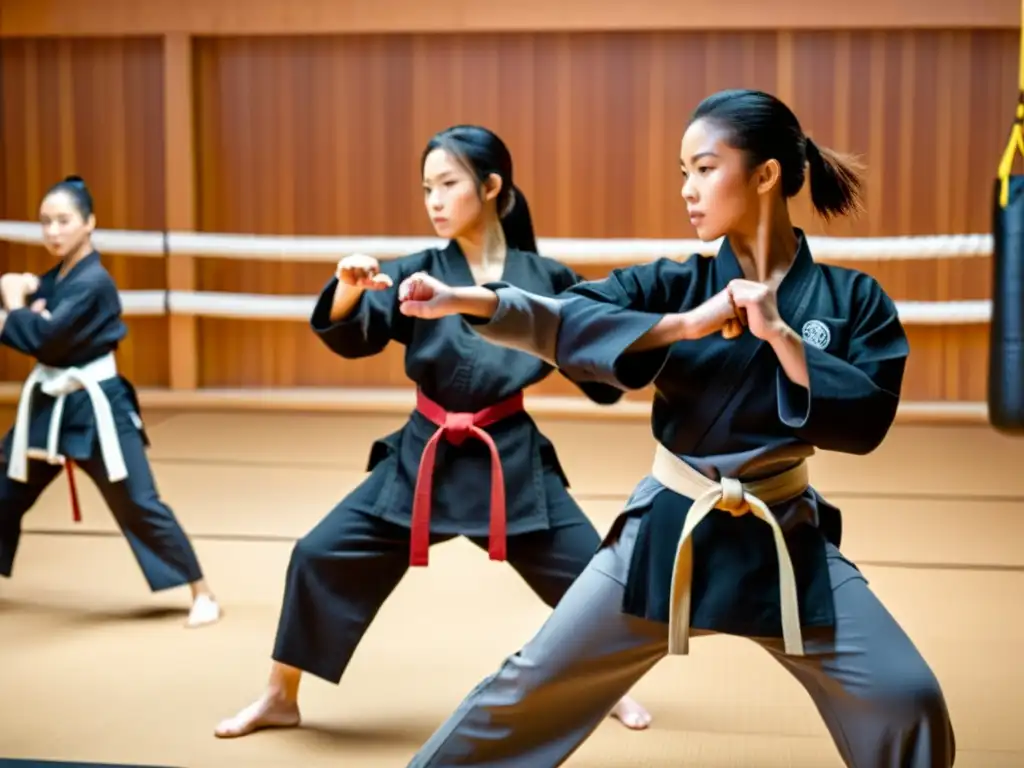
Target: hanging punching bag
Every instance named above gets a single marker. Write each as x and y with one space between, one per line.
1006 334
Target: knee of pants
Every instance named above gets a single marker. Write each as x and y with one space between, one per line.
305 553
312 554
534 666
917 696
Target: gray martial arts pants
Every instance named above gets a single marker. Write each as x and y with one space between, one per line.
880 700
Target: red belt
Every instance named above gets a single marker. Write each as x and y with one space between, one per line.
456 427
76 509
69 467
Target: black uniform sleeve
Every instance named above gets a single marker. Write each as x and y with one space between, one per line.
852 399
374 321
597 392
65 329
601 320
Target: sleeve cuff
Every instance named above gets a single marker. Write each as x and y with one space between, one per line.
794 401
320 319
523 321
639 369
499 313
594 341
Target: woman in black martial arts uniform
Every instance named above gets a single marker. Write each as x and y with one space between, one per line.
76 409
487 473
819 365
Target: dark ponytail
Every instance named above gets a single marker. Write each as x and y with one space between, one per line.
837 186
75 188
765 129
484 154
517 224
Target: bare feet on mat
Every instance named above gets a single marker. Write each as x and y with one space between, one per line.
270 711
205 610
631 714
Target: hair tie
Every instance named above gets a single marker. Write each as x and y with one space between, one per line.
810 149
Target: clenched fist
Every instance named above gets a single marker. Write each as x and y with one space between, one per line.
23 283
426 297
757 304
361 271
717 314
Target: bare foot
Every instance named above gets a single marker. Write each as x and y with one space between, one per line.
631 714
270 711
205 610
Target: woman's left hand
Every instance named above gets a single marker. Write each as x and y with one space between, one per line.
757 308
39 307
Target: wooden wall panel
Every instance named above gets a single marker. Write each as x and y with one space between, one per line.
322 135
92 107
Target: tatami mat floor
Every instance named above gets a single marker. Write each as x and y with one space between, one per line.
95 668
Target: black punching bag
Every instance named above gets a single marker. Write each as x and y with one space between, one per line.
1006 334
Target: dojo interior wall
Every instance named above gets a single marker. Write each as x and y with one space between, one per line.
204 120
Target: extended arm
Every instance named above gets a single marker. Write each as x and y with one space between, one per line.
615 331
618 331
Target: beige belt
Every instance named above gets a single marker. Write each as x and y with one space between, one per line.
739 499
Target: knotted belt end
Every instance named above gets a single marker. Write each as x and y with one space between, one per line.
737 498
456 428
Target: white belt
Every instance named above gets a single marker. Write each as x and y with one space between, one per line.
59 383
739 499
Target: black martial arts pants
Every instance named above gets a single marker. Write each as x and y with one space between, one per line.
343 570
157 540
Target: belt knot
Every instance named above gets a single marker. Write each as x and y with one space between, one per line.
733 497
458 427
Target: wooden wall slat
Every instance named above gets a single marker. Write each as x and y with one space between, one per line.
93 107
180 193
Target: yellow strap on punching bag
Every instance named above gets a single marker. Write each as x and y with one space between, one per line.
1016 141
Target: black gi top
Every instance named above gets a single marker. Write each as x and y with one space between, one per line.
460 371
728 409
84 324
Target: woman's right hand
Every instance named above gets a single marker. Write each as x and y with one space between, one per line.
361 271
717 314
15 287
426 297
23 283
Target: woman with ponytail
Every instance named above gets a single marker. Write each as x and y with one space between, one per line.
759 357
469 462
76 408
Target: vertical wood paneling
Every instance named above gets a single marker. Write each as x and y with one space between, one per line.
92 107
323 136
180 192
